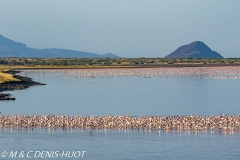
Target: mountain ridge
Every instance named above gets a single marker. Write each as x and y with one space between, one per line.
10 48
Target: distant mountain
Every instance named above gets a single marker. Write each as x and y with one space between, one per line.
195 49
9 48
109 55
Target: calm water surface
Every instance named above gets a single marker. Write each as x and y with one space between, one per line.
124 96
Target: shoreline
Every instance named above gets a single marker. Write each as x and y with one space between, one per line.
23 67
25 82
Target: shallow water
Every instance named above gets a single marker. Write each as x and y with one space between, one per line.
124 96
123 145
132 95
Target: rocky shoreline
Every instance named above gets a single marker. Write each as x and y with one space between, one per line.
25 82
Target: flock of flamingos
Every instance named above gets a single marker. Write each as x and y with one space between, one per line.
198 72
221 123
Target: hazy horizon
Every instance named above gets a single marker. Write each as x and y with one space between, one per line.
135 28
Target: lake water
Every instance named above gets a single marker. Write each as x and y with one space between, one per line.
136 92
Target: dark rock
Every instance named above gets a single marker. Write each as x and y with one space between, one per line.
6 97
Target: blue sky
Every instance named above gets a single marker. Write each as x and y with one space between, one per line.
127 28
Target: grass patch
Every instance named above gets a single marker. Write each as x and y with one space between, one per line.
6 77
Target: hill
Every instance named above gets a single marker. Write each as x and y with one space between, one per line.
10 48
195 49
